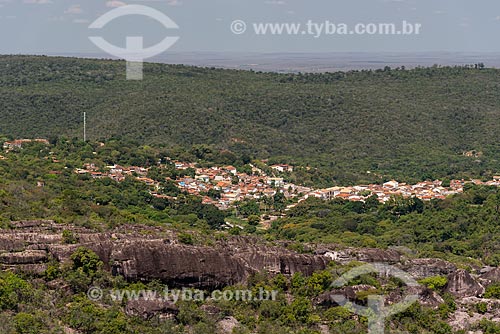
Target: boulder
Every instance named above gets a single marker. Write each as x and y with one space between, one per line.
147 309
429 267
377 255
491 276
327 299
461 284
25 257
227 325
426 296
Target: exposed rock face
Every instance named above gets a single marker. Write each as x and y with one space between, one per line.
426 297
378 255
467 312
32 269
177 265
206 267
461 284
349 292
31 223
150 253
491 276
150 308
423 268
227 325
25 257
363 255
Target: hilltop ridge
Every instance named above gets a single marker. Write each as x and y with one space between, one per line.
409 125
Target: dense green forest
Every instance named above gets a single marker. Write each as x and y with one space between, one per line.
405 124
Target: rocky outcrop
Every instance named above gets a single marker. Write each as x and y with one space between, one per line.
205 267
21 224
371 255
351 293
227 325
423 268
177 265
25 257
490 276
153 254
147 309
468 313
377 255
461 284
426 296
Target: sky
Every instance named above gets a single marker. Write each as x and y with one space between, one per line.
62 26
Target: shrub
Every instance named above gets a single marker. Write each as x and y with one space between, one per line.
482 308
493 291
86 260
13 290
435 282
27 324
185 238
69 238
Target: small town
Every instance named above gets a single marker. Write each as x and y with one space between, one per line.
234 186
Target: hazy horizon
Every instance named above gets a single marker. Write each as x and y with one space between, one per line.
316 62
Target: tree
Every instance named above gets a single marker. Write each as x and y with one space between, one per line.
249 208
254 220
279 201
27 324
86 260
13 290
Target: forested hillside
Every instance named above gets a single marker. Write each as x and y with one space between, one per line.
63 234
404 124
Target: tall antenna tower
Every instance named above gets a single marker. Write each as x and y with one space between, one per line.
84 126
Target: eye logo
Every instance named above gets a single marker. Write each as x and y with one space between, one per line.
134 52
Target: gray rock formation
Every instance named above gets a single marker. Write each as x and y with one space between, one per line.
467 313
423 268
490 276
151 253
461 284
147 309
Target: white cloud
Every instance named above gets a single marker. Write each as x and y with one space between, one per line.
174 2
275 2
38 2
115 3
81 21
75 9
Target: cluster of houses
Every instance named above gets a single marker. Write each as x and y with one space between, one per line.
233 186
424 190
18 143
226 185
117 173
230 186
